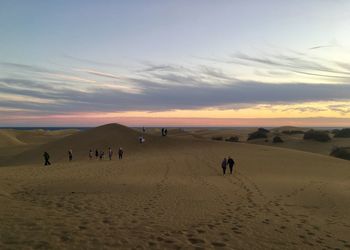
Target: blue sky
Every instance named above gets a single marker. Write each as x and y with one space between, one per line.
74 57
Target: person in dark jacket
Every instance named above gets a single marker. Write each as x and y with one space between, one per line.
46 158
230 163
224 165
101 155
120 153
96 154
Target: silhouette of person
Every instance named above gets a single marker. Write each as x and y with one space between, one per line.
96 154
142 139
223 165
90 154
70 155
120 153
101 155
230 163
110 153
46 158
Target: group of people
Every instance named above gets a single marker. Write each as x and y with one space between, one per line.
230 162
100 154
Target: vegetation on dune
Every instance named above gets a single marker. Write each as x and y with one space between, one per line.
232 139
334 131
261 133
277 139
342 133
317 135
293 132
217 138
221 138
263 130
341 152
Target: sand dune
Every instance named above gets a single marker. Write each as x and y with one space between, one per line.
8 139
12 137
101 138
169 194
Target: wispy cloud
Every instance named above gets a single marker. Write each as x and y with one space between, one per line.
99 73
19 66
321 47
89 61
292 63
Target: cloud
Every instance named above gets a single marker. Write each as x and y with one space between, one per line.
99 73
341 108
294 65
321 47
18 66
155 96
181 75
88 61
163 87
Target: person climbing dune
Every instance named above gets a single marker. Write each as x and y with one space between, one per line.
230 163
46 158
70 155
120 153
110 153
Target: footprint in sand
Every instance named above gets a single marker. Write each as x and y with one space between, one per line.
200 231
196 241
218 244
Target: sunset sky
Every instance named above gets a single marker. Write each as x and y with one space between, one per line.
175 63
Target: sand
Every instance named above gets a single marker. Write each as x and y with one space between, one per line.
169 193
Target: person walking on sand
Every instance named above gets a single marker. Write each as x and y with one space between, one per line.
96 154
46 158
101 155
110 153
230 163
90 154
223 165
70 155
141 139
120 153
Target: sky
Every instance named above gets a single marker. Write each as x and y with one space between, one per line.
175 63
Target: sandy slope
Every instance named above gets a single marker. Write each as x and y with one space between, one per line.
170 194
13 142
8 139
12 137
